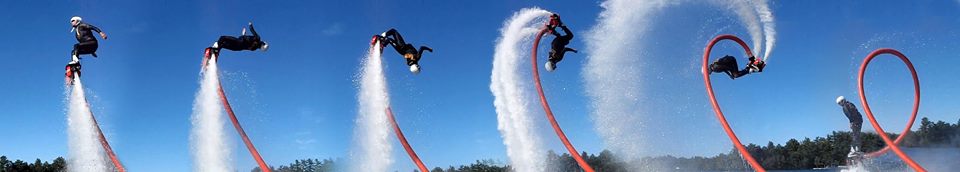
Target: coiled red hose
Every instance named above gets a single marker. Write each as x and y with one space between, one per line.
891 145
716 106
546 107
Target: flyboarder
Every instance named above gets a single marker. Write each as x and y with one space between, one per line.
856 122
728 64
243 42
408 51
86 44
559 45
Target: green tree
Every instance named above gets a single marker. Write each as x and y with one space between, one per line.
59 164
4 163
19 166
37 165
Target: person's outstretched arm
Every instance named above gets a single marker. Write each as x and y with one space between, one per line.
425 48
97 29
252 31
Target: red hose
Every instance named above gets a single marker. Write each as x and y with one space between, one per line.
236 123
716 106
104 143
103 140
106 146
546 107
243 135
403 141
873 121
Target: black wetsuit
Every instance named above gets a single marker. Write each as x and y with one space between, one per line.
856 121
87 43
728 64
244 42
559 45
404 48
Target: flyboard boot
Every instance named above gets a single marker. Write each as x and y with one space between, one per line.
72 70
209 53
756 65
381 38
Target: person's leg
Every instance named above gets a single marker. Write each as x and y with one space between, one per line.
387 40
77 69
88 47
230 43
74 54
743 72
730 64
397 40
398 45
855 135
221 41
565 49
253 32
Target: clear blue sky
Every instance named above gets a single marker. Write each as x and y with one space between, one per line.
299 99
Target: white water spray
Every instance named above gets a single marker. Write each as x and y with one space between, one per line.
612 73
371 150
86 154
511 90
747 15
758 20
769 26
614 69
208 138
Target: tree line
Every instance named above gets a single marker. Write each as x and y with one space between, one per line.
807 153
58 165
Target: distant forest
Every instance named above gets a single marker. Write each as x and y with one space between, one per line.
58 165
795 154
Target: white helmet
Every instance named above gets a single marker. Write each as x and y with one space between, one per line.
75 18
415 69
840 99
264 47
549 66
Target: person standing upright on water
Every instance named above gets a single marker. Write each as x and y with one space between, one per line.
86 42
856 122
